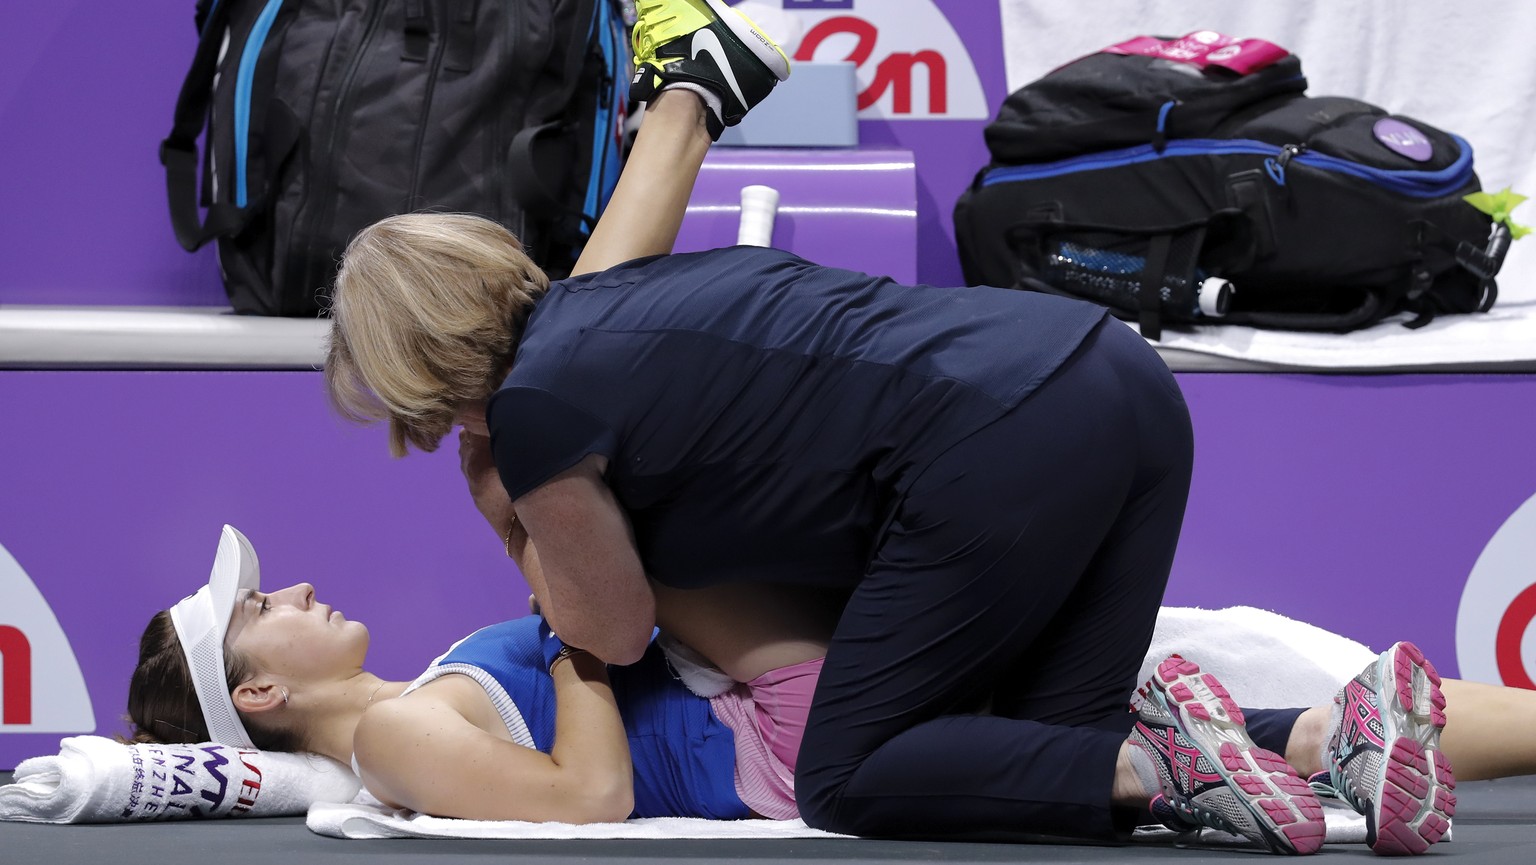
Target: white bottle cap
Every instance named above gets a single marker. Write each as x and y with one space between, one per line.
759 206
1215 296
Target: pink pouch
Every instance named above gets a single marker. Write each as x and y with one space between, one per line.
1204 48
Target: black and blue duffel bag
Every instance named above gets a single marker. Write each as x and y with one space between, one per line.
1192 180
319 117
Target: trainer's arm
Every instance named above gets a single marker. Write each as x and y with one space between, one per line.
646 210
595 594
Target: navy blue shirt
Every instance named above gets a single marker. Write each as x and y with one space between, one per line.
761 414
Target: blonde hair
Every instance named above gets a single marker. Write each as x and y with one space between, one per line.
426 313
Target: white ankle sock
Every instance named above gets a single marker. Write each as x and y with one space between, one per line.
1335 719
1145 766
711 101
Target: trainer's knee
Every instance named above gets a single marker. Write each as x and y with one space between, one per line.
819 795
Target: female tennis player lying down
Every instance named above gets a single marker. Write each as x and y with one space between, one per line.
509 724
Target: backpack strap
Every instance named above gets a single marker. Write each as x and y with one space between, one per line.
1370 309
418 32
1149 294
459 50
1485 263
1167 279
1481 264
178 152
537 156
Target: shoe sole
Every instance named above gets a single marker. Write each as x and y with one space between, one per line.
766 50
1413 802
1281 804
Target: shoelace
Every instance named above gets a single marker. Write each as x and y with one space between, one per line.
640 39
1323 789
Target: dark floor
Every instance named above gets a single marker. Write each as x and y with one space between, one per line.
1496 823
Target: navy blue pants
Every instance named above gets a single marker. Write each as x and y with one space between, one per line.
1024 568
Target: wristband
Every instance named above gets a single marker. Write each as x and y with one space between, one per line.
553 649
565 652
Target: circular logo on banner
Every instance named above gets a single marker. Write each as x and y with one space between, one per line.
1495 637
41 689
1402 139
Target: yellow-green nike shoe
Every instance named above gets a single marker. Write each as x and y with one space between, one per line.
708 47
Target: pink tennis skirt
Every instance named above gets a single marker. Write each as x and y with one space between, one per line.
768 715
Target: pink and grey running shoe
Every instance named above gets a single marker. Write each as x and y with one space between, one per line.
1384 754
1212 773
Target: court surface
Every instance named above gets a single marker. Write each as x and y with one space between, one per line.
1495 823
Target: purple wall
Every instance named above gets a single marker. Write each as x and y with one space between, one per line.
949 152
86 93
855 208
1358 504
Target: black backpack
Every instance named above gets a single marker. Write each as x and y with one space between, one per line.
1175 193
324 116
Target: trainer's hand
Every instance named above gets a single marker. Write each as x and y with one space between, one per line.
484 483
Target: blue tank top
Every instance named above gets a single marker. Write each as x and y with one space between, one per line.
762 415
684 757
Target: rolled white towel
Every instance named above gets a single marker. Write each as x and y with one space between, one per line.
99 780
1267 661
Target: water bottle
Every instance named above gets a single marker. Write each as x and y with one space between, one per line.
1114 278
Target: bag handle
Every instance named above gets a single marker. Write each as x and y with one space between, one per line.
1485 263
178 152
417 33
1149 316
531 166
459 50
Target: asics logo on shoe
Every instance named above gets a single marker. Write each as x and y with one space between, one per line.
706 42
1184 760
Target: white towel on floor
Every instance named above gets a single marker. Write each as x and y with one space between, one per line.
357 821
99 780
363 822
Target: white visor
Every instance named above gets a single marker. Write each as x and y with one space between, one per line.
202 620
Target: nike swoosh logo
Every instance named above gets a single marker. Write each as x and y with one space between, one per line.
711 45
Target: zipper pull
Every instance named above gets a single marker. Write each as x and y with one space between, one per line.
1289 152
1275 166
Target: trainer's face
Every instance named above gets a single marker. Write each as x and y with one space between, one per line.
288 633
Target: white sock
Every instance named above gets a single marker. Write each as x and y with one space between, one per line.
1145 766
711 101
1335 720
